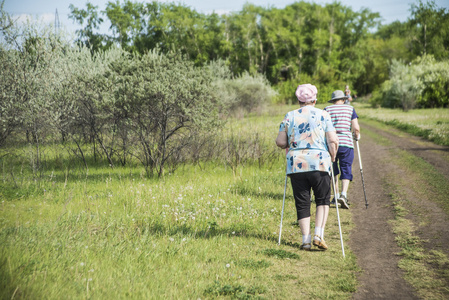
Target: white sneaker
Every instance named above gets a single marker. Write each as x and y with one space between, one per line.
343 202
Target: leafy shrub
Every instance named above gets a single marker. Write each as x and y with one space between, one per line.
423 83
245 93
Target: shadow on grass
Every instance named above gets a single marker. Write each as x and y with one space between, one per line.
236 230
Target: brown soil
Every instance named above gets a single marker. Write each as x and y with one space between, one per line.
372 239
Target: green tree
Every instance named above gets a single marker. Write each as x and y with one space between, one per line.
432 25
167 101
127 20
87 35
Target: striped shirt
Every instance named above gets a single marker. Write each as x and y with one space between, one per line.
342 116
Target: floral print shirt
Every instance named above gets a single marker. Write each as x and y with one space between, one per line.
306 129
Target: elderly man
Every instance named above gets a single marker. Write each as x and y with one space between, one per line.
312 145
345 120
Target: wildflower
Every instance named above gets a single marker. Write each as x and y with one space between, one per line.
228 265
82 264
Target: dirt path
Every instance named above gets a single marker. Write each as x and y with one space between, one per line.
372 240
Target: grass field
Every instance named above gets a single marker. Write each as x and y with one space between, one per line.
205 231
432 124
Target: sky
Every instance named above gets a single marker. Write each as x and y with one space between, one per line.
44 11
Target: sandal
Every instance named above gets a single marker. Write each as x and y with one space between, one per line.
319 243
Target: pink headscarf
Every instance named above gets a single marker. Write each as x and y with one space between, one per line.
306 92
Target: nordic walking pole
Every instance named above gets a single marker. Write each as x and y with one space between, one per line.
361 172
282 214
338 214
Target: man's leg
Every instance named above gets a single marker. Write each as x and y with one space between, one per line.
346 160
344 186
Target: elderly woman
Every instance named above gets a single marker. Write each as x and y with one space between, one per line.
312 144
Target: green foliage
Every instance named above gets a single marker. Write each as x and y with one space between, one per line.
92 21
422 83
252 92
432 33
303 39
115 106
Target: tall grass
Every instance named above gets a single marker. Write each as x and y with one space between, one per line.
205 231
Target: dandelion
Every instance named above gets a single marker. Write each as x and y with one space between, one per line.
228 265
171 239
91 270
233 232
90 279
82 264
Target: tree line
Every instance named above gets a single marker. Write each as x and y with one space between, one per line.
330 45
114 105
158 90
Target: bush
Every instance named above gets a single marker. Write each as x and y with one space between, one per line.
244 94
423 83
